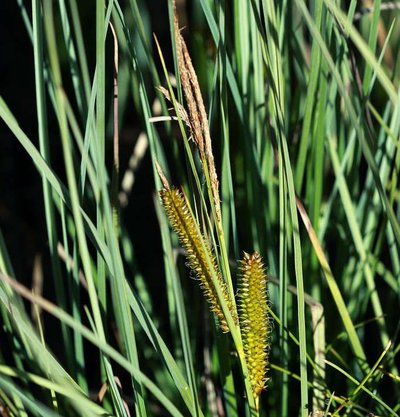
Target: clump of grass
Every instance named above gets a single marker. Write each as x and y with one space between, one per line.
302 105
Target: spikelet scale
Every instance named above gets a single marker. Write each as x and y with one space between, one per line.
254 324
197 251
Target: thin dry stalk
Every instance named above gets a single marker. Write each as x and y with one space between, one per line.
37 285
181 110
71 264
162 176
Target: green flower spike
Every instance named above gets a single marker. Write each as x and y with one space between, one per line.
198 252
253 318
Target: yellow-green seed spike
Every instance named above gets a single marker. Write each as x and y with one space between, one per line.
198 252
253 319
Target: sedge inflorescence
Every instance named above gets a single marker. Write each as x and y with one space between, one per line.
253 317
252 291
198 252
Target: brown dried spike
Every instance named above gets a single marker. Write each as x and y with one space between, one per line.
205 129
187 89
197 113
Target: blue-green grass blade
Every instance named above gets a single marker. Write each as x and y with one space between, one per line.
72 59
51 226
315 73
25 17
283 285
372 40
299 278
81 51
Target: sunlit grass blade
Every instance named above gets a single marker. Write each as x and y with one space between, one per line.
336 294
86 333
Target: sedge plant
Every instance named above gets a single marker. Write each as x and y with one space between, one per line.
283 141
